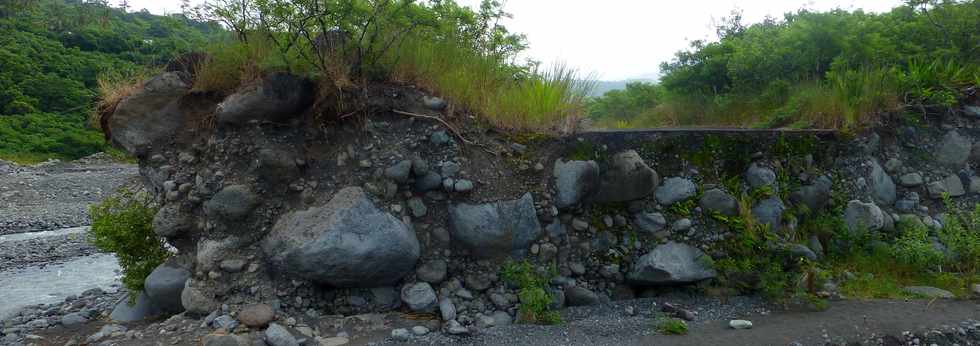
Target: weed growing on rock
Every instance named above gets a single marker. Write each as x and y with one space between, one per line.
532 286
670 326
122 224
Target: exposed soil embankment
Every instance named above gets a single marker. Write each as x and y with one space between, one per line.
290 226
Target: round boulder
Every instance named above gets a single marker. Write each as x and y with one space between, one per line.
231 203
278 97
150 115
348 242
497 228
256 315
164 285
627 178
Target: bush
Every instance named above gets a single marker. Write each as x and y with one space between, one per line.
535 300
914 249
961 235
670 326
122 224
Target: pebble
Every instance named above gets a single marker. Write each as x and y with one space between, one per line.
740 324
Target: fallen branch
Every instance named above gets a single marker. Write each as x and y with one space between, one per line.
444 123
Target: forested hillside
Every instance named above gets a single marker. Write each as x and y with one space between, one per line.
837 69
52 56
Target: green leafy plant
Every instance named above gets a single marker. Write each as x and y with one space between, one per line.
670 326
122 224
532 286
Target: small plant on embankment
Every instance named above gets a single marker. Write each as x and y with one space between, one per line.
532 286
670 326
122 224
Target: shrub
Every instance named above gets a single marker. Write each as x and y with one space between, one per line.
961 235
122 224
535 300
670 326
913 248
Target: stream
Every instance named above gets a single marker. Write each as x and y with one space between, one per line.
52 283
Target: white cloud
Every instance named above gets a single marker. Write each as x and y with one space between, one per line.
618 39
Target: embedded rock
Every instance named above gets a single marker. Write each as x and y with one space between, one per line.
278 97
195 301
149 116
628 178
759 175
164 285
231 203
495 228
672 263
882 186
719 201
346 243
814 196
954 150
420 297
171 221
256 315
860 216
580 296
674 190
770 212
574 181
649 223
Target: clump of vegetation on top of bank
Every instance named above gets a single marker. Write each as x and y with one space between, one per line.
838 69
463 55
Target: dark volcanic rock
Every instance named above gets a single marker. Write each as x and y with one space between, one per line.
347 243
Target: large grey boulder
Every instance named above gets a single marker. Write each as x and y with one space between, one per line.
150 115
277 335
164 285
882 186
770 212
627 178
759 175
954 150
574 181
815 196
278 97
141 309
233 202
670 264
171 221
498 228
675 189
719 201
346 243
860 216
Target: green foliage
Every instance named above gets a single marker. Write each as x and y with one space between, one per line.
914 249
463 55
961 235
670 326
52 53
122 224
532 286
837 69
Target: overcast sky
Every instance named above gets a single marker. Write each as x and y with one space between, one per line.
619 39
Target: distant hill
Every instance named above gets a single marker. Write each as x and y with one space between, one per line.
52 54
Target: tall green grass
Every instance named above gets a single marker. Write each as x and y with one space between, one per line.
508 96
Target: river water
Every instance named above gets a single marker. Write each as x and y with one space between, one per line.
52 283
